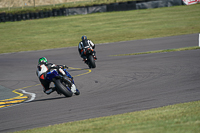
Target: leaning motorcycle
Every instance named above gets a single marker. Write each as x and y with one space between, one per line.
89 53
64 85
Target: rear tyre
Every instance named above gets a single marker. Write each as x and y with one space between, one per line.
63 89
91 62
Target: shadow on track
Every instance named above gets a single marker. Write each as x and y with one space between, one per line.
47 99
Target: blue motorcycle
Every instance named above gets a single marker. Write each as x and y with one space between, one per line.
63 82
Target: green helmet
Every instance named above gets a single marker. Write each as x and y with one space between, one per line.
42 60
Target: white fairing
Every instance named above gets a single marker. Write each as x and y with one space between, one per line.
42 70
73 88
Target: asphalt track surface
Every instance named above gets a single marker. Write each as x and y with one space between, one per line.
119 84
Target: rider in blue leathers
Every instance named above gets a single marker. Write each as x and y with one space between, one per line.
43 68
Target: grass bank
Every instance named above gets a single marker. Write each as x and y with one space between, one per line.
105 27
179 118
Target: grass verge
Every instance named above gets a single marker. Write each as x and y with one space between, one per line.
58 32
160 51
179 118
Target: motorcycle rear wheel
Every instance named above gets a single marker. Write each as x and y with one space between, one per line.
91 62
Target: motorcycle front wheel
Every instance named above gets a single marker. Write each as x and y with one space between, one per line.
63 89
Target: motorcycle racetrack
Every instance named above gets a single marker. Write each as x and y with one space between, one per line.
118 84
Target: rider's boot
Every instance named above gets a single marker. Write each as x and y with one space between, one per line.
85 60
50 90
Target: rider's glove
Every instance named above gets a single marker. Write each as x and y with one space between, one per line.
64 66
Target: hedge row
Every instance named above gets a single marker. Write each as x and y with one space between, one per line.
5 17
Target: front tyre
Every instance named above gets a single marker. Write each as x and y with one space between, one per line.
62 89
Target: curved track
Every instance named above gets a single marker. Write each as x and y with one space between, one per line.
118 85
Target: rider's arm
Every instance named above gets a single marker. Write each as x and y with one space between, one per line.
91 44
79 48
51 66
63 66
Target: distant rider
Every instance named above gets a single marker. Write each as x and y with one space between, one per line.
43 68
85 43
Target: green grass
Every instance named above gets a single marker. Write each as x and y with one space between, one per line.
106 27
179 118
160 51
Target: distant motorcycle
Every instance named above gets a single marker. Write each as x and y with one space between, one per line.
64 85
90 58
